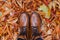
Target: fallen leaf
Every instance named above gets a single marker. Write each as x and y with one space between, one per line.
46 10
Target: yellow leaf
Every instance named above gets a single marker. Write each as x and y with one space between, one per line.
46 10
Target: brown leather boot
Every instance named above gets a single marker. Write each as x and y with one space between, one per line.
35 25
23 25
